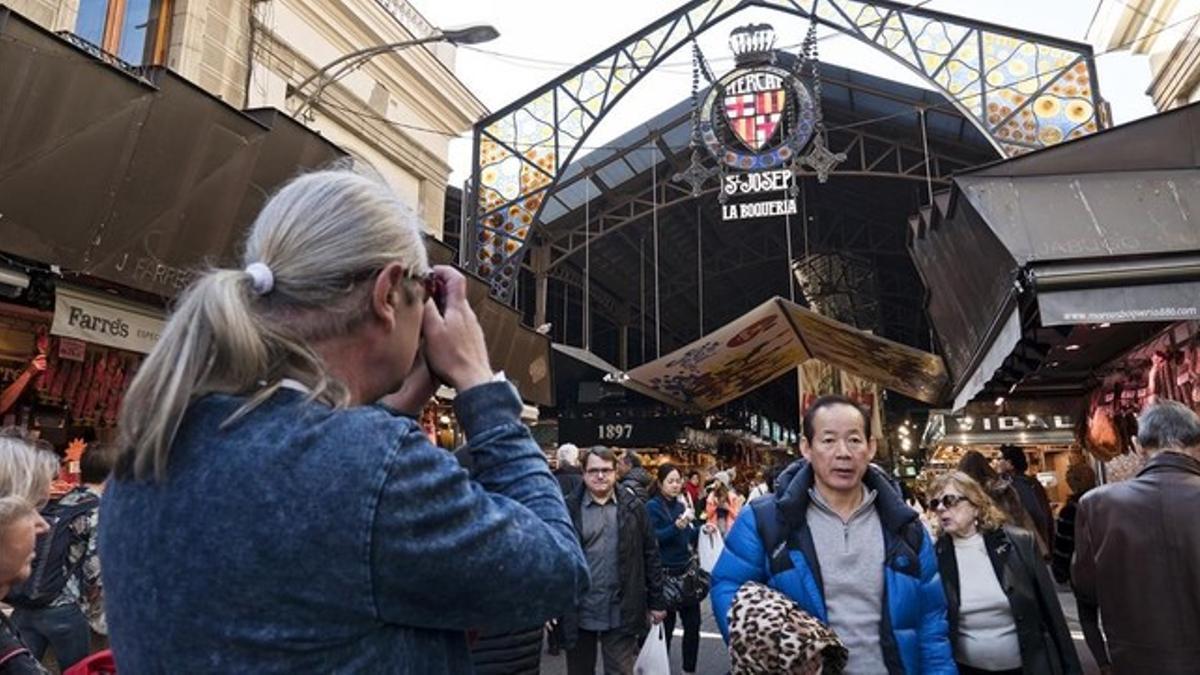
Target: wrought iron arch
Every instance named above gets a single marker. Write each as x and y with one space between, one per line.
1021 90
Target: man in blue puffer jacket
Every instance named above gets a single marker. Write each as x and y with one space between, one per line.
839 540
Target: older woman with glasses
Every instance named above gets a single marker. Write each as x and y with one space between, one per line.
274 478
1003 611
25 475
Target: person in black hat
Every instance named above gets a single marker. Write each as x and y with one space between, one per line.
1013 465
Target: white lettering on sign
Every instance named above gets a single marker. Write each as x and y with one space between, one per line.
754 82
753 183
1015 423
614 432
777 207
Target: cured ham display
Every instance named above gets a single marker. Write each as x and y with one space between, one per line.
92 390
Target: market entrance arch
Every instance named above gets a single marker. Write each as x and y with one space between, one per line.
1021 90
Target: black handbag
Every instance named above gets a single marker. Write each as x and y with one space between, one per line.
686 588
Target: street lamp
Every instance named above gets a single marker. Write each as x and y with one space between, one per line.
470 35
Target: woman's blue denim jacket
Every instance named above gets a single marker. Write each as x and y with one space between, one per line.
303 539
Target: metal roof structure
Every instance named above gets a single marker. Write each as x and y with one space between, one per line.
1023 91
599 226
601 217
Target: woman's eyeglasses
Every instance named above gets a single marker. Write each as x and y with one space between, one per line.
949 501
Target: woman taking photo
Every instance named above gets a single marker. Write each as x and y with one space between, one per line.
25 475
1001 604
674 523
722 506
275 479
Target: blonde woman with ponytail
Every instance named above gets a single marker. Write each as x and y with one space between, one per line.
276 507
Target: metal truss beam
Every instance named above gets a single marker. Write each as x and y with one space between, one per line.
867 154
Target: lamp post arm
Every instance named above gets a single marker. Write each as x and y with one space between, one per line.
357 57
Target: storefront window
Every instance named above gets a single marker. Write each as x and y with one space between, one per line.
133 30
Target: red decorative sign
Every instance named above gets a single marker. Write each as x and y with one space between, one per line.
71 350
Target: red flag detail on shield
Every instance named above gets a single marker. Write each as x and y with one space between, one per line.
753 117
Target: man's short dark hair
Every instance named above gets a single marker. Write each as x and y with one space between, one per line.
630 457
96 463
599 451
1168 425
828 402
1016 457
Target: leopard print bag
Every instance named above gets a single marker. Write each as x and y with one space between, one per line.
770 635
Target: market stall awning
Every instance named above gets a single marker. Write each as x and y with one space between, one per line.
1103 229
132 176
774 338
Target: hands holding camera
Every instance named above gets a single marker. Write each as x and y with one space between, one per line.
453 343
453 350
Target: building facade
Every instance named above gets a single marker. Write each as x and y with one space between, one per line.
1168 31
396 113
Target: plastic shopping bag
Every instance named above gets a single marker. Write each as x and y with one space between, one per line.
710 547
653 659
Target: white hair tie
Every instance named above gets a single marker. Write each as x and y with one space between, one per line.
261 277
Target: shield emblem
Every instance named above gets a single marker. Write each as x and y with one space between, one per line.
754 117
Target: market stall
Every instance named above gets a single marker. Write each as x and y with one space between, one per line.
1165 367
90 347
1047 439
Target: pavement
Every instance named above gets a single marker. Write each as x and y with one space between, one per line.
714 659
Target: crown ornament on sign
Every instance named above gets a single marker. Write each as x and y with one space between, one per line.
753 43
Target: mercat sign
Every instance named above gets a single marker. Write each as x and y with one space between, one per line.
760 122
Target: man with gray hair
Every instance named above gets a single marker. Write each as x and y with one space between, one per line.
1137 550
568 473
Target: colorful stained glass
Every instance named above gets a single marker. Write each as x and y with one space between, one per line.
935 41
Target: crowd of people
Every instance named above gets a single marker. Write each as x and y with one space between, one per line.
274 506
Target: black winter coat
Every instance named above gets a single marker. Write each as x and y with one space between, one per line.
569 478
639 566
516 652
1046 645
638 481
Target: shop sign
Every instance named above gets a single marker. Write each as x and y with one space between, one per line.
105 321
775 183
1006 423
623 432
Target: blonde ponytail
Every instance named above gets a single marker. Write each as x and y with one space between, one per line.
322 236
